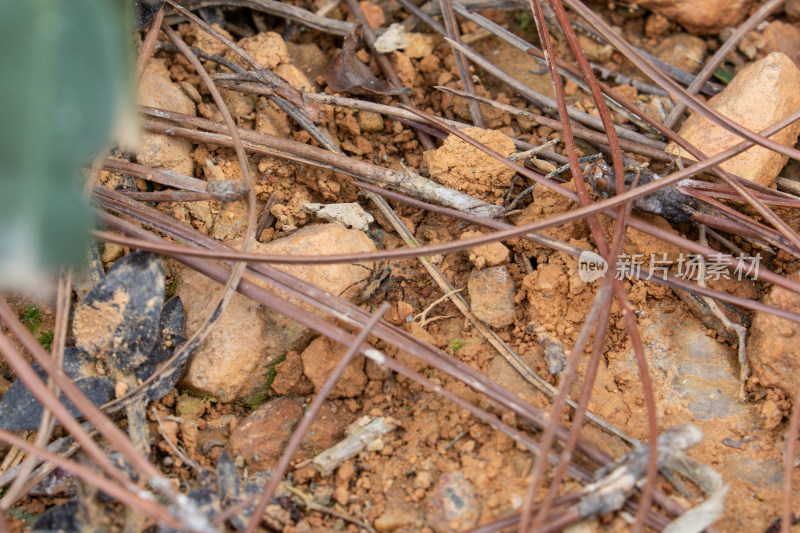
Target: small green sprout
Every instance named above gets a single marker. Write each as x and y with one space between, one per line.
45 338
456 345
32 318
523 20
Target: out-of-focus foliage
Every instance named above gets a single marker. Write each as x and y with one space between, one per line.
65 85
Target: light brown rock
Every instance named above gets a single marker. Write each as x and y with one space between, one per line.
262 436
309 58
161 151
370 122
158 90
419 45
267 48
761 94
295 77
491 293
373 13
772 347
491 254
289 378
461 166
319 360
207 42
683 51
156 150
454 504
233 361
702 18
271 120
782 37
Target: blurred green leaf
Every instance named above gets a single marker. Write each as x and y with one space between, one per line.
724 75
66 75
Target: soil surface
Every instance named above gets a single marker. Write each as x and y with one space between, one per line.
402 481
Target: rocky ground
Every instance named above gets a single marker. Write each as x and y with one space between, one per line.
246 388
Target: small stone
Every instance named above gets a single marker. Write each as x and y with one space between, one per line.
423 480
241 105
295 77
782 37
111 252
341 495
454 504
792 8
158 90
321 357
772 345
191 92
235 358
309 58
289 377
345 472
398 516
271 120
351 215
162 151
392 39
267 48
761 94
406 70
207 42
701 18
156 150
491 254
419 45
491 293
370 122
683 51
656 25
261 437
373 14
770 413
404 309
595 51
461 166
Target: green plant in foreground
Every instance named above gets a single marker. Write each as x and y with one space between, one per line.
32 318
45 338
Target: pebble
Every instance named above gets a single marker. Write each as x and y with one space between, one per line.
491 293
370 122
454 504
782 37
319 359
461 166
491 254
772 345
351 215
399 516
373 14
289 377
309 58
295 77
267 48
759 95
234 360
207 42
261 437
419 45
156 150
683 51
701 18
